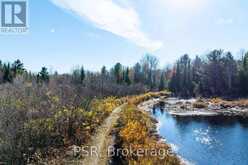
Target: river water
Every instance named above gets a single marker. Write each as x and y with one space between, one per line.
214 140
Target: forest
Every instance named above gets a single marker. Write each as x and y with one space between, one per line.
42 112
217 73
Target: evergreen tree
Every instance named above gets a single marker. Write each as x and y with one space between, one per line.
43 75
243 76
127 79
214 73
196 76
118 73
1 65
76 76
138 76
181 83
103 78
104 71
7 74
17 68
82 74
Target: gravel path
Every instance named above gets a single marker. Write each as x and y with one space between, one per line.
102 140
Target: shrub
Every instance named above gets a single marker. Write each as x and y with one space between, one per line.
136 130
141 98
36 119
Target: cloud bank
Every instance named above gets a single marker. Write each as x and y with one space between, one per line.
108 16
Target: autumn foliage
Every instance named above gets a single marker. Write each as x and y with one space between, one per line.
144 97
39 123
136 130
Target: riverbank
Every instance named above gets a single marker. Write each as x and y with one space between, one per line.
136 135
204 139
195 107
204 107
147 107
137 140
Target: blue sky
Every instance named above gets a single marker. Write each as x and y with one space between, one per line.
93 33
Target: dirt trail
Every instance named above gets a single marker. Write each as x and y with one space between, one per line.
102 140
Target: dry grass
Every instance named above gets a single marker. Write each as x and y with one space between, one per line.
228 104
141 98
200 104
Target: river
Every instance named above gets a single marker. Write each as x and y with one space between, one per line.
206 140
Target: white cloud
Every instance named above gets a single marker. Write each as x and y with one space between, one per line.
108 16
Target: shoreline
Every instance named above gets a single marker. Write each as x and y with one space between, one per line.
147 107
204 107
185 108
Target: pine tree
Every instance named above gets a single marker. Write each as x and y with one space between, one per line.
127 79
138 76
103 78
82 74
118 73
7 74
43 75
17 68
1 65
243 76
103 71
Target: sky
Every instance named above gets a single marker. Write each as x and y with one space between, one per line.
67 33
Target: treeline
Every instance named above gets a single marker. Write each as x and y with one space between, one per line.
143 76
10 71
216 74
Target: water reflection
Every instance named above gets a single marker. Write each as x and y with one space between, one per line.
219 121
206 140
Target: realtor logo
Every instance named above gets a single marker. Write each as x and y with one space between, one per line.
13 16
